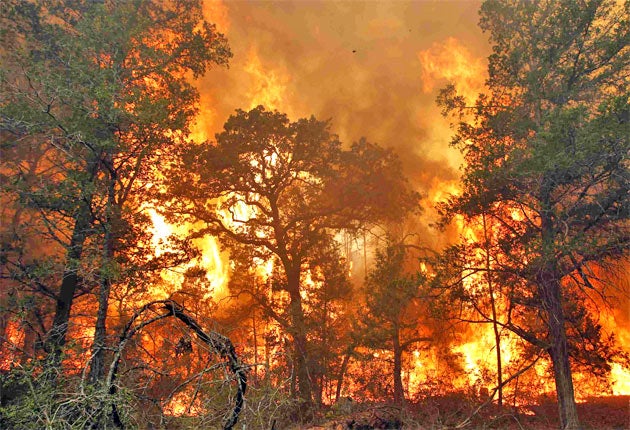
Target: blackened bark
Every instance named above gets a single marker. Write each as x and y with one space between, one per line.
219 343
495 321
83 219
559 352
97 365
342 372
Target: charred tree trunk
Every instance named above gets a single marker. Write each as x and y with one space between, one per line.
559 353
495 325
255 337
342 372
83 218
97 365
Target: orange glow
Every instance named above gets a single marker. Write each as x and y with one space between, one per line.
212 260
206 122
616 322
268 86
217 12
14 341
182 404
269 83
451 61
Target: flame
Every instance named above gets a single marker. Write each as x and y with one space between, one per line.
206 122
182 403
268 86
453 62
212 260
14 340
616 321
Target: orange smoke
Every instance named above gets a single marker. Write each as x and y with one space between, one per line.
217 12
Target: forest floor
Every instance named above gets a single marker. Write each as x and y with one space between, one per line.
598 413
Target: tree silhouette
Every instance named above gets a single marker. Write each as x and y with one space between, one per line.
277 190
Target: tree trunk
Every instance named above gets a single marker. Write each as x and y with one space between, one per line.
495 325
559 353
342 372
300 345
255 337
97 366
70 281
550 290
399 394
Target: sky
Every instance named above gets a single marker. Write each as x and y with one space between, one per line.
373 68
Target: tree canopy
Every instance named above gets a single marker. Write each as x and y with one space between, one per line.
94 95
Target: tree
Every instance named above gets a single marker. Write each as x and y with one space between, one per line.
95 96
277 190
391 320
547 159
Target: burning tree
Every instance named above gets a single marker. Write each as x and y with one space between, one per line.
277 190
547 163
94 96
391 320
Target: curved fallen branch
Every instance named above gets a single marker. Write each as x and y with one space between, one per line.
219 343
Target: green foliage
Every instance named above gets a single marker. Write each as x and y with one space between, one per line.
94 95
276 190
32 399
294 174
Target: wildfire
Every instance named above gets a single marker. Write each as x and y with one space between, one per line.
217 12
14 338
617 323
211 260
183 403
268 85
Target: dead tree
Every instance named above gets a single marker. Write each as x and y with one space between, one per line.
217 342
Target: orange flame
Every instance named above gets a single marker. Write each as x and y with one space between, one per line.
212 260
451 61
268 86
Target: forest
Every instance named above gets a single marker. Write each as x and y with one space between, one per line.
314 215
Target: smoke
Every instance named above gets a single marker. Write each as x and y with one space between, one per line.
372 68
